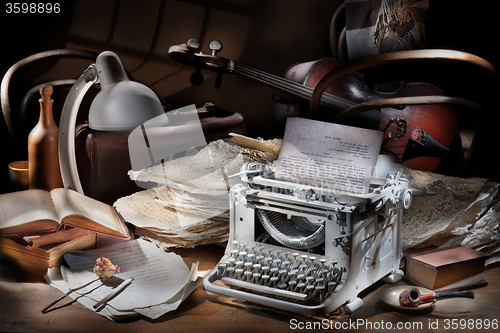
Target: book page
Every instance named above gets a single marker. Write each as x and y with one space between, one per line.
337 157
68 202
22 207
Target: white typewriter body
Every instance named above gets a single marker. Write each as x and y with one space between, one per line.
307 249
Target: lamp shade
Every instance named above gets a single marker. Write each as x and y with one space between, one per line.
122 104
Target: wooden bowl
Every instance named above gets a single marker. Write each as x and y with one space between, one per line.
19 175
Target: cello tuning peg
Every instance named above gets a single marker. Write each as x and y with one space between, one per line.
194 43
215 46
196 77
218 81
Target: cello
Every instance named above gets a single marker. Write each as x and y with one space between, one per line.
417 119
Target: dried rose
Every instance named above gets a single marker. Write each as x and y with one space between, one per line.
104 268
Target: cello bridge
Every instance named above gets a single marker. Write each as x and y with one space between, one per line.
395 128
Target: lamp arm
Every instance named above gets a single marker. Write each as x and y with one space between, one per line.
67 123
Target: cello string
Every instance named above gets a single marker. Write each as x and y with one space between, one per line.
298 89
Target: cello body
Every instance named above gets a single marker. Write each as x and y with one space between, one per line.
402 127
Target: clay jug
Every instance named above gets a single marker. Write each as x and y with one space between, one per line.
43 157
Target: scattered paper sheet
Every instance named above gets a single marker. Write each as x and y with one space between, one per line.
161 280
328 155
158 276
55 279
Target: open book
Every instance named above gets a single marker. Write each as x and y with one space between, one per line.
35 212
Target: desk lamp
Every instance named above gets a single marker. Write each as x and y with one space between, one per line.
121 105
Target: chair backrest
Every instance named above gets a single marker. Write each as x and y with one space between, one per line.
338 44
15 116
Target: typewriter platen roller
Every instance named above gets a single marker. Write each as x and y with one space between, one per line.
308 249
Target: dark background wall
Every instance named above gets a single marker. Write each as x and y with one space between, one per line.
267 35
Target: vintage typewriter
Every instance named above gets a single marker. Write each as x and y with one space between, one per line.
308 249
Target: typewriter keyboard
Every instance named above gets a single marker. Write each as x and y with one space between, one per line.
279 272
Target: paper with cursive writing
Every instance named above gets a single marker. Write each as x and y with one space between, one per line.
337 157
158 275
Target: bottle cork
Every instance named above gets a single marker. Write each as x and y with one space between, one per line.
46 92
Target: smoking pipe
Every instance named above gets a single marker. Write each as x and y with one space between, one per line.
412 296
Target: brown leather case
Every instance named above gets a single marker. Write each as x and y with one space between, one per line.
103 157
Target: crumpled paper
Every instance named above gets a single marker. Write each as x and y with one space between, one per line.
455 211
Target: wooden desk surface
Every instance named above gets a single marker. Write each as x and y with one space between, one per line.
21 302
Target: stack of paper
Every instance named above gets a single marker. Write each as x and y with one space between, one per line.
161 280
190 205
174 216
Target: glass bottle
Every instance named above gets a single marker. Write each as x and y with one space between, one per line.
43 157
